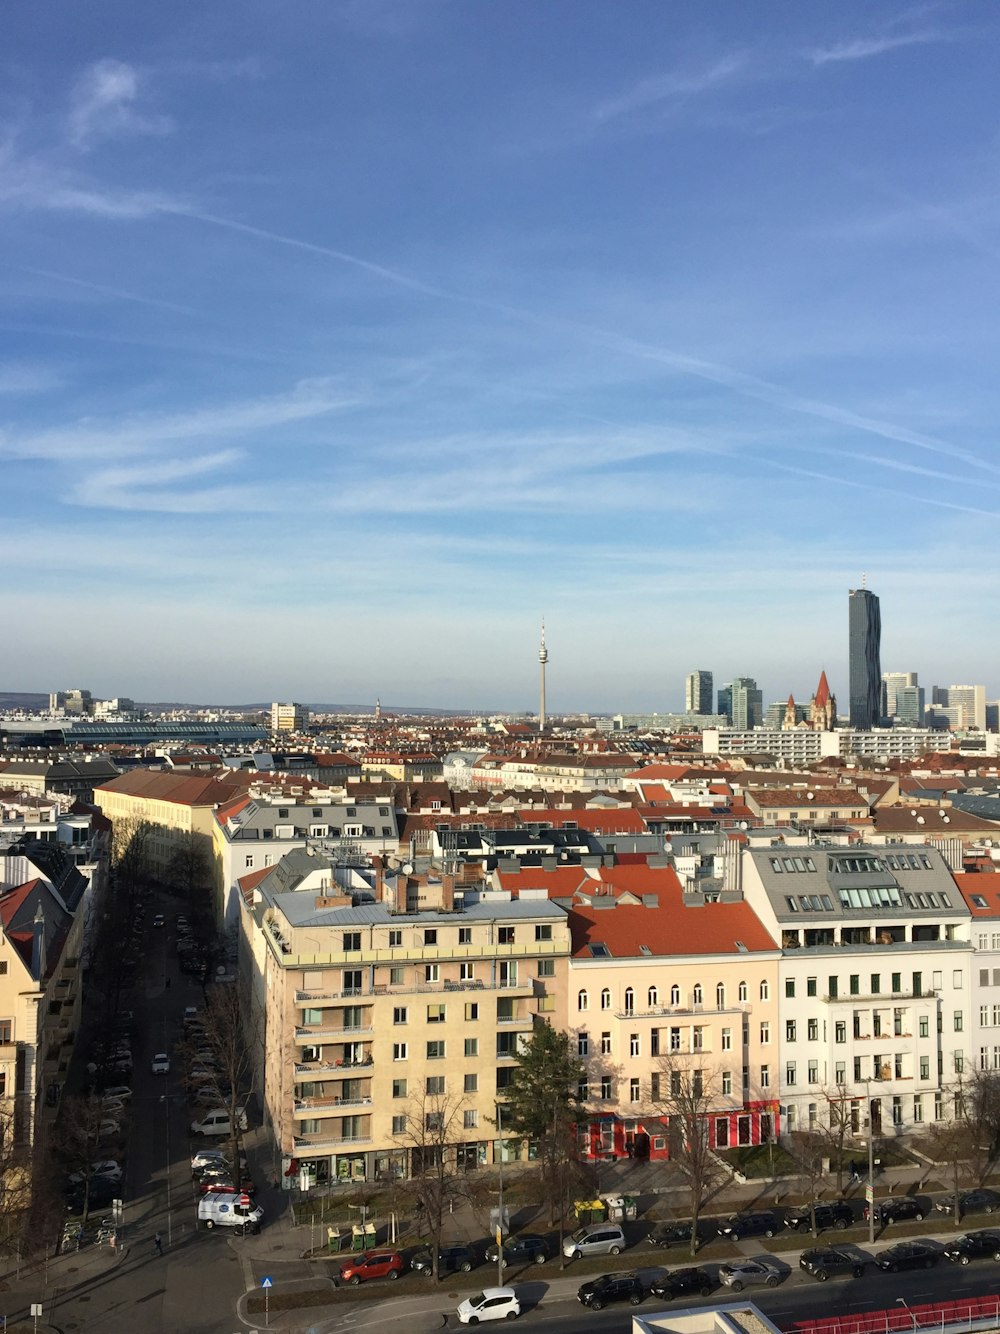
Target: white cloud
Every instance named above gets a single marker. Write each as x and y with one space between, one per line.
863 48
103 105
21 377
674 85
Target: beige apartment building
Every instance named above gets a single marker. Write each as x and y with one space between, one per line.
392 1013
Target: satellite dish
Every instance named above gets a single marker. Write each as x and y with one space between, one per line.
407 868
920 819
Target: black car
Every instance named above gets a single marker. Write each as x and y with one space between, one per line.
907 1255
671 1234
898 1210
823 1261
980 1201
681 1281
450 1260
527 1249
621 1287
981 1245
763 1224
839 1215
101 1193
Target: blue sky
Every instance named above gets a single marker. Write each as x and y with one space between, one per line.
342 342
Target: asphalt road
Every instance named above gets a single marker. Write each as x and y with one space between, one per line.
197 1281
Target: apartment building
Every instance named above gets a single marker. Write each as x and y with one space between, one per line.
981 892
874 979
391 1017
666 985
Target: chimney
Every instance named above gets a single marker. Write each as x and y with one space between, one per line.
378 862
401 886
447 893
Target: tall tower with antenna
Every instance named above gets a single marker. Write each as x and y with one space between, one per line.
543 657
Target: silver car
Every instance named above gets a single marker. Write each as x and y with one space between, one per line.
746 1273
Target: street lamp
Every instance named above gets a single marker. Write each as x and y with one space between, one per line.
901 1301
499 1231
870 1190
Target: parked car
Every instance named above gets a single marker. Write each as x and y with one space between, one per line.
121 1091
104 1167
838 1215
526 1249
907 1255
679 1282
204 1157
622 1287
670 1234
762 1224
216 1122
160 1064
99 1195
974 1246
158 919
898 1210
823 1261
980 1201
490 1304
595 1239
371 1264
450 1260
747 1273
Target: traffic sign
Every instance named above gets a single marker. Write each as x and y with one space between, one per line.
266 1283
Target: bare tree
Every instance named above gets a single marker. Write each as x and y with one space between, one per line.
433 1129
809 1149
226 1050
130 856
835 1129
684 1094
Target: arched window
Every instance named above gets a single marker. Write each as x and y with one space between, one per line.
629 1000
743 991
652 999
765 991
697 995
720 996
581 1001
675 995
606 999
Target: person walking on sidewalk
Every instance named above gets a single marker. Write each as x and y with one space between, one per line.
158 1243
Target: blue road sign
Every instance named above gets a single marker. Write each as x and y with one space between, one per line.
266 1283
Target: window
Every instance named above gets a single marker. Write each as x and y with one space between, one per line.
472 1046
471 1010
790 1030
633 1044
629 1001
840 1073
675 1039
606 999
399 1051
435 1050
505 935
876 981
810 986
765 991
399 1124
351 982
925 1067
959 1062
546 967
925 1026
765 1033
434 1085
812 1072
720 996
790 988
543 931
466 972
918 1107
697 995
583 1044
790 1073
727 1082
433 1121
399 1088
249 861
833 986
697 1083
698 1038
675 1083
432 972
959 1020
897 981
727 1039
470 1084
399 1014
675 995
465 935
395 939
605 1087
854 984
652 998
435 1014
397 976
605 1044
812 1030
654 1087
840 1031
352 940
765 1076
633 1090
470 1118
581 1001
430 935
582 1090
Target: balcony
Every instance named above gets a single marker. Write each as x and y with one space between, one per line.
327 1033
329 1141
327 1106
327 997
527 1020
680 1011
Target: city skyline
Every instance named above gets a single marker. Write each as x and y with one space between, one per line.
690 320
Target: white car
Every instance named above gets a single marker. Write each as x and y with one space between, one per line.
120 1091
160 1064
490 1304
106 1168
108 1129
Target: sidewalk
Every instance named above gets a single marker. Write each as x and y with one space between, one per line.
55 1283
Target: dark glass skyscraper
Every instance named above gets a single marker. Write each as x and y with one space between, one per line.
864 665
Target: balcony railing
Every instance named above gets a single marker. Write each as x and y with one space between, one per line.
329 1034
325 1139
308 1106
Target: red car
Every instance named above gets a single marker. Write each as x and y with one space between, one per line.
372 1264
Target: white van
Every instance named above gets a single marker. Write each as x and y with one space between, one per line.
218 1209
216 1122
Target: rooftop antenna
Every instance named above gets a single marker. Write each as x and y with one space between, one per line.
864 579
543 657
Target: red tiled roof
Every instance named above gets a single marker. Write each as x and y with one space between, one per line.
182 789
